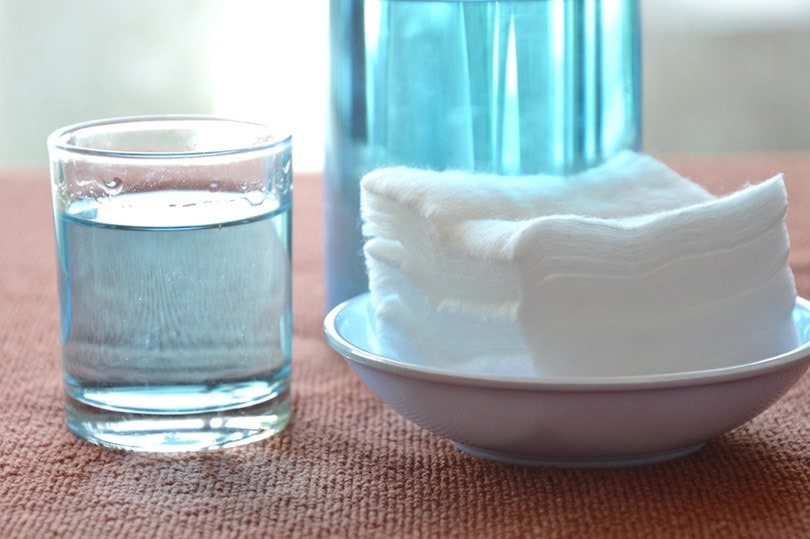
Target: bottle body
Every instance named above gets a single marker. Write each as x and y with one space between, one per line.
505 87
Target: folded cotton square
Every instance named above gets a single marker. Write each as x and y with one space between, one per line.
624 269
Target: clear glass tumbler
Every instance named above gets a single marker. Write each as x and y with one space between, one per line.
173 246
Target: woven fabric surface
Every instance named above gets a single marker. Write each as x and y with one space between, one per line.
347 465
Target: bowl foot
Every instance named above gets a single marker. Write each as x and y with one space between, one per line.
553 462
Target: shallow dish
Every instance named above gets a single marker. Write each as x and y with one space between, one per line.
612 421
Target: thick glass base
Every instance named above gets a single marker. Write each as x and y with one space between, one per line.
167 433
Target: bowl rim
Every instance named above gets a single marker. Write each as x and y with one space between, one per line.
354 354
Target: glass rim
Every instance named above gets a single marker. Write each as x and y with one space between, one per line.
60 138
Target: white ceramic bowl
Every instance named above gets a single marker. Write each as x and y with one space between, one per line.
612 421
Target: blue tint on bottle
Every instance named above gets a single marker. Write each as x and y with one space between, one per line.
505 87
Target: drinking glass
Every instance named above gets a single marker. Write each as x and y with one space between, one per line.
173 247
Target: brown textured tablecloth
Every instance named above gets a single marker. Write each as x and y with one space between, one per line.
347 465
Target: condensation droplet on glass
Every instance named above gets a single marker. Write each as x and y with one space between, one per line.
113 186
254 198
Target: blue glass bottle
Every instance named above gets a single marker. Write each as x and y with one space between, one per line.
500 86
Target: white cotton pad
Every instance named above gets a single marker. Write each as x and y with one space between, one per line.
624 269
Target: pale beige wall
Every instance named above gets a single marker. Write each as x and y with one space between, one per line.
67 61
726 76
719 75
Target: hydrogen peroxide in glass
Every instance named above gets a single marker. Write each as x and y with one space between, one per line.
170 326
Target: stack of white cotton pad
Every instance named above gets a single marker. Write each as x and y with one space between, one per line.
625 269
